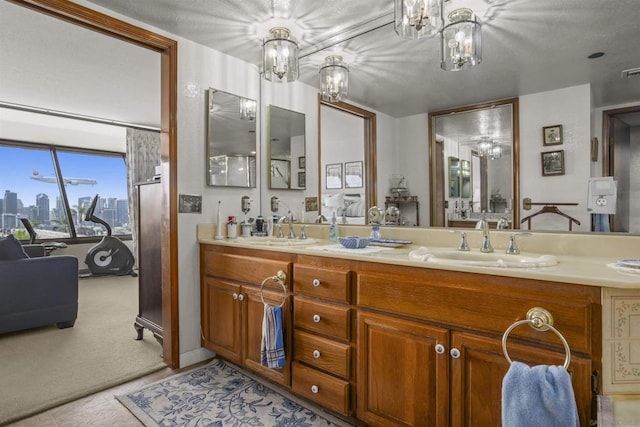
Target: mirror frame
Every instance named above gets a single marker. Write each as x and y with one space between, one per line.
436 165
370 157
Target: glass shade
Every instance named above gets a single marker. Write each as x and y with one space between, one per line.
280 56
417 18
461 41
334 79
248 109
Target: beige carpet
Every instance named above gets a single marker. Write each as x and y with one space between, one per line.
45 367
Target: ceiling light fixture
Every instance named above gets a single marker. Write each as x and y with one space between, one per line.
334 79
417 18
461 41
248 109
280 56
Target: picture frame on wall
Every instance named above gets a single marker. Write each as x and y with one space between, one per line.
301 162
552 135
552 163
302 179
353 174
333 178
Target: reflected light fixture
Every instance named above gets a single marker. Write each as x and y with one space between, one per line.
489 148
417 18
248 108
334 79
280 56
461 41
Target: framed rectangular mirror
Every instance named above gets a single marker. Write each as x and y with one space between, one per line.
231 140
286 148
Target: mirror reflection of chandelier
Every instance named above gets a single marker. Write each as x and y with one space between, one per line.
334 79
248 108
461 41
280 56
489 148
417 18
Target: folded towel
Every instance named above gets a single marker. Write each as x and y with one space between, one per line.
272 349
538 396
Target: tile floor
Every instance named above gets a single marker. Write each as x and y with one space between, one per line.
97 410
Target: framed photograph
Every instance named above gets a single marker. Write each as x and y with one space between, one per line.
594 149
333 177
553 163
311 204
189 203
302 179
280 174
301 162
552 135
353 174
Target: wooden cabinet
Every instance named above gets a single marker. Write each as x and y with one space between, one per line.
232 308
323 323
149 260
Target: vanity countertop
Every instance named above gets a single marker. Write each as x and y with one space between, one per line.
577 263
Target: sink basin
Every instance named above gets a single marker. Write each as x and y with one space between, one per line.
480 259
273 241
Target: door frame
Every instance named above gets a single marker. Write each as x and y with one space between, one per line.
168 49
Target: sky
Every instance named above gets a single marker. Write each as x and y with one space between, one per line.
18 164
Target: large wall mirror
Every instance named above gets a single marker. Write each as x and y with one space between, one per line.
231 140
474 164
286 149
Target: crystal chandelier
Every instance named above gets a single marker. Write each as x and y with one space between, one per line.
248 108
489 148
334 79
280 56
461 41
417 18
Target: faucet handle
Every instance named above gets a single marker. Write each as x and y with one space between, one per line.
512 248
464 246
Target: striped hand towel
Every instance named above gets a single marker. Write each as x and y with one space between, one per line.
272 349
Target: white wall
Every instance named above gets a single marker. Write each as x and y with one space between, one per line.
569 107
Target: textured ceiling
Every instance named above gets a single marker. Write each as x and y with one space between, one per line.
528 46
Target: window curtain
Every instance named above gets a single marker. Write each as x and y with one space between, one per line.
143 155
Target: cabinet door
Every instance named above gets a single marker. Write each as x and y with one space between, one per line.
252 333
402 380
221 318
476 378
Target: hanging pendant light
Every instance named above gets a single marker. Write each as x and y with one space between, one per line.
334 79
248 108
461 41
417 18
280 56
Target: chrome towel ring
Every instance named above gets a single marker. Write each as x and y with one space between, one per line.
280 278
541 320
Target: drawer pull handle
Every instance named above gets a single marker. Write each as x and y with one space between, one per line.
316 318
314 389
235 295
455 353
316 354
440 349
240 297
316 282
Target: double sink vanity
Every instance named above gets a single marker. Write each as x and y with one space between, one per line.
413 335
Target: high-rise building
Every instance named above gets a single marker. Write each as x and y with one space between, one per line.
122 212
10 202
42 202
1 206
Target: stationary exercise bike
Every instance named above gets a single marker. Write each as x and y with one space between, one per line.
110 257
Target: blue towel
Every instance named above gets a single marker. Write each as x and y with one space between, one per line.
601 222
272 349
538 396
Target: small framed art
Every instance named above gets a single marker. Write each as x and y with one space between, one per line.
552 135
553 163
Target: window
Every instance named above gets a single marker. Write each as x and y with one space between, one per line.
29 175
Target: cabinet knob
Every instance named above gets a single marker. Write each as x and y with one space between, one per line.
316 282
314 389
241 297
316 354
439 348
455 353
235 295
316 318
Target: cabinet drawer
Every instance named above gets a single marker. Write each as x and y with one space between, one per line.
324 318
321 388
322 283
242 268
321 353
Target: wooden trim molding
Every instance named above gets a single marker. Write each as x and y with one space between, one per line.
96 21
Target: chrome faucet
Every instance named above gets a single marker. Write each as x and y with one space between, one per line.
291 234
483 225
282 219
512 249
464 246
320 219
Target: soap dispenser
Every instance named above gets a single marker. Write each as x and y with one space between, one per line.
333 229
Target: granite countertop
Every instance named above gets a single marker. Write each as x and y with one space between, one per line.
588 268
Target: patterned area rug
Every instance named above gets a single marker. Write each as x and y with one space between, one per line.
219 394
